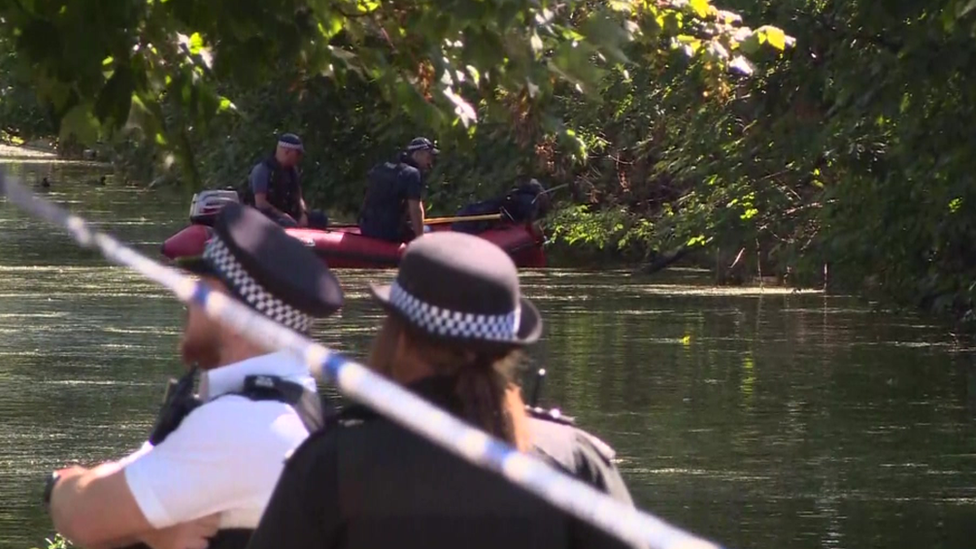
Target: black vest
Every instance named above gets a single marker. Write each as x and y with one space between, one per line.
383 213
179 401
283 188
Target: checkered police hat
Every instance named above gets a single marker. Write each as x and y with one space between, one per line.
461 287
291 141
422 144
270 271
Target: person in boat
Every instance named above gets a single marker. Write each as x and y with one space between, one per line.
211 463
452 335
525 203
275 187
393 208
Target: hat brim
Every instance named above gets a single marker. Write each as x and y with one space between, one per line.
530 324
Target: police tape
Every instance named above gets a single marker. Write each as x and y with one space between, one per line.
355 380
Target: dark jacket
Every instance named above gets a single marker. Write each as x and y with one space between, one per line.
522 204
384 211
365 482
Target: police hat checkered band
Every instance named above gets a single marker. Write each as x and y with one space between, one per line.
444 322
420 144
249 290
292 146
290 141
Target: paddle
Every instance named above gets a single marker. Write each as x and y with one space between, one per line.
457 218
438 220
482 217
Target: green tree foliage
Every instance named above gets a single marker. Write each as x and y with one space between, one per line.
849 151
158 65
22 115
676 128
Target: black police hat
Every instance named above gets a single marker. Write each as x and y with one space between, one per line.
422 144
461 287
268 270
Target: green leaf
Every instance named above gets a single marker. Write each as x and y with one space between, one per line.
700 7
607 34
536 43
81 122
331 27
621 5
752 43
196 43
572 62
775 36
115 100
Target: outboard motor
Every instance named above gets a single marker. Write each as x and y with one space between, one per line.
207 204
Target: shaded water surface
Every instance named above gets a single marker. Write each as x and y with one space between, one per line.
758 419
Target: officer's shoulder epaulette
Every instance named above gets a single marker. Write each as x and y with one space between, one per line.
552 414
555 416
602 448
350 416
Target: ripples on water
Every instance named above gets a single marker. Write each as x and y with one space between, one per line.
758 419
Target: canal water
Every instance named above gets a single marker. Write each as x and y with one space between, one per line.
761 419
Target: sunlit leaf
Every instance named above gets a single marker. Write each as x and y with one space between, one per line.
775 36
700 7
462 109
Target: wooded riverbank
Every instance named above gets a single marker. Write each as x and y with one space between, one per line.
683 132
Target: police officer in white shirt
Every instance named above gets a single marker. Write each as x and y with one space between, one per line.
205 475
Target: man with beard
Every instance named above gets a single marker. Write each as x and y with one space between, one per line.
211 463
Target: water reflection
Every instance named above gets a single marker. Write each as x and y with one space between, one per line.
761 419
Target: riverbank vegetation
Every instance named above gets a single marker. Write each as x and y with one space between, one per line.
57 542
822 142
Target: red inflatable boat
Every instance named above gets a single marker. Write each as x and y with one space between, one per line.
343 247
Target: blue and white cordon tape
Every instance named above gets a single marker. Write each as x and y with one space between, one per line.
358 382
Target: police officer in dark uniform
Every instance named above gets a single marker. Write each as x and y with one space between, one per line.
452 335
526 203
212 461
275 188
393 208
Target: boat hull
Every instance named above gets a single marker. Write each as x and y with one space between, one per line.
344 248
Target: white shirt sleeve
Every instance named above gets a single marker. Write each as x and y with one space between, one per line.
205 466
146 446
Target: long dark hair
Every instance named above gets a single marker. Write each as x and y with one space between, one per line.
490 399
